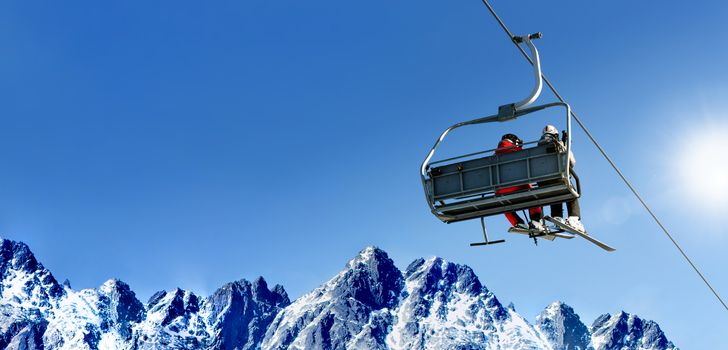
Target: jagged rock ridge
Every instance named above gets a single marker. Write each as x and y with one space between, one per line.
370 304
563 328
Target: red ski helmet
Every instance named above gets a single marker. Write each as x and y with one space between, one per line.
513 139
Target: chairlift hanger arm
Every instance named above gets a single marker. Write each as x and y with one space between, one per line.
536 69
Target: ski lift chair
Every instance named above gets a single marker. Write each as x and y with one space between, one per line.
463 188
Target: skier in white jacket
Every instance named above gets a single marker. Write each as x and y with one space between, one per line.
550 136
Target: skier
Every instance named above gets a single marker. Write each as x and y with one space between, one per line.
511 143
550 136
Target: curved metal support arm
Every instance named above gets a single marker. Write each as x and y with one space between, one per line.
536 71
489 119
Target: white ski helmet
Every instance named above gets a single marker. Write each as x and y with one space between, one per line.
550 129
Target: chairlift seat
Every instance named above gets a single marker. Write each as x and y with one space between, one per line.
465 189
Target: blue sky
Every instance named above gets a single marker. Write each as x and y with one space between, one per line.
180 144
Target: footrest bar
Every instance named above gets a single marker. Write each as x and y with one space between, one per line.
486 243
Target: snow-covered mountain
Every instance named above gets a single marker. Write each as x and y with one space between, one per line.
38 313
370 304
625 331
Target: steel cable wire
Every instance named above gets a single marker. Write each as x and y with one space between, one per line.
611 162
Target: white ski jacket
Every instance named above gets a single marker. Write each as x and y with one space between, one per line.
547 139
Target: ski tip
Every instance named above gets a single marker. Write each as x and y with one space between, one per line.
584 235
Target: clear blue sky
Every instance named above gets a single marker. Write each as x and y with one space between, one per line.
187 144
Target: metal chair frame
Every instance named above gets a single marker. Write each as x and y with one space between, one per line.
465 203
475 202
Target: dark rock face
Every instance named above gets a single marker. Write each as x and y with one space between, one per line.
20 334
235 317
443 277
446 278
177 306
563 328
121 308
16 260
241 312
30 337
172 322
374 281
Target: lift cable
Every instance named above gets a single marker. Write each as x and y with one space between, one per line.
611 162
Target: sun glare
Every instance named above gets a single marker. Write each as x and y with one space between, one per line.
703 167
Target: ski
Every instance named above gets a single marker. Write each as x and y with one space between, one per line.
584 235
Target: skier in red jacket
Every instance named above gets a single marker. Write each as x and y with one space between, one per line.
511 143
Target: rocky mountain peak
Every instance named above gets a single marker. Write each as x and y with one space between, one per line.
623 330
275 296
562 327
167 306
371 278
439 274
240 312
119 307
23 280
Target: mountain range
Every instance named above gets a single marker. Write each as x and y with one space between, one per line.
369 304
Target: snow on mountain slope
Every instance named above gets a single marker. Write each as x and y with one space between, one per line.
93 318
24 282
445 306
370 304
27 291
173 322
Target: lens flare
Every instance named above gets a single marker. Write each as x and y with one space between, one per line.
702 165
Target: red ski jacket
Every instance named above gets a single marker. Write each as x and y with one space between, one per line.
506 146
